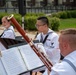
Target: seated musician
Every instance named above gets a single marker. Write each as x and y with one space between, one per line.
49 39
67 44
9 30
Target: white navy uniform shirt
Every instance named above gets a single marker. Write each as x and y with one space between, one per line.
51 46
9 33
64 68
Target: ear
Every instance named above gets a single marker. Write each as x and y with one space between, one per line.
66 45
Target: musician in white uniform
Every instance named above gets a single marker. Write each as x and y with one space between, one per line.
67 44
9 30
49 39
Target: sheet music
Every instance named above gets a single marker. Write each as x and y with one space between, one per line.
12 61
2 69
31 59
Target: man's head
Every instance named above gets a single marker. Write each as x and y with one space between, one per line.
42 24
67 41
6 23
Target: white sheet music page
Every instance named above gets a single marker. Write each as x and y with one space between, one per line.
13 62
2 69
31 59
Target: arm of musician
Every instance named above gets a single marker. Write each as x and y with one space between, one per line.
41 48
54 56
53 51
54 59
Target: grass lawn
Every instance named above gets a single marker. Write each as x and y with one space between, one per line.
67 23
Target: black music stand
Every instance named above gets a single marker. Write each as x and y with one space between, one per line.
7 42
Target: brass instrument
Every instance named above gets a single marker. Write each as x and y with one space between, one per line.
43 58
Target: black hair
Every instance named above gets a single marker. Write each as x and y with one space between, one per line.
44 20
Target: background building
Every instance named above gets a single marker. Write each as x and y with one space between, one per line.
46 6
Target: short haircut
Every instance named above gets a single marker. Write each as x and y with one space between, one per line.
44 20
68 31
70 35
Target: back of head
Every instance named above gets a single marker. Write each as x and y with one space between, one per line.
70 35
68 31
